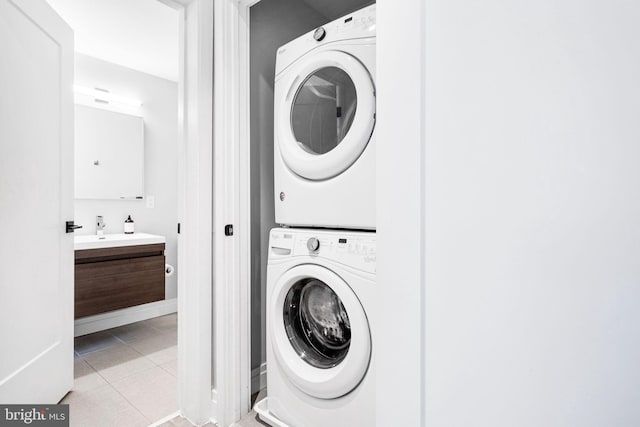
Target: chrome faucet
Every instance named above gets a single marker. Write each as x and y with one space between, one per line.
100 225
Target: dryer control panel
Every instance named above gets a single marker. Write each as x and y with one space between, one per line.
360 24
356 249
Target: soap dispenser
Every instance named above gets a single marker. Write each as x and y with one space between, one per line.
128 225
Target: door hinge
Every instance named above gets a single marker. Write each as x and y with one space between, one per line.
228 230
178 228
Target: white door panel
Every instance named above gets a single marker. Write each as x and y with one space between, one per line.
36 190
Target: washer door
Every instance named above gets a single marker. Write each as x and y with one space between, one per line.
327 115
319 331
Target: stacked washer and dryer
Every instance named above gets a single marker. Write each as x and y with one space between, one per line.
321 271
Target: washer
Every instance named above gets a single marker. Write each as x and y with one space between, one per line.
324 129
320 301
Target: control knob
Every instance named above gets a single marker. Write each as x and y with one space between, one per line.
313 244
319 34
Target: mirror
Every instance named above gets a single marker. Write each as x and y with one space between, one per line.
109 154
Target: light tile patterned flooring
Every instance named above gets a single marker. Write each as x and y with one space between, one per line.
125 376
249 420
252 419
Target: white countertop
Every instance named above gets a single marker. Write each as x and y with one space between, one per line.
114 240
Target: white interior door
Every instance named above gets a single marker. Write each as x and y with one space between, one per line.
36 190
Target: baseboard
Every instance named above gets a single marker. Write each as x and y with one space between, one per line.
113 319
258 382
259 378
36 381
214 407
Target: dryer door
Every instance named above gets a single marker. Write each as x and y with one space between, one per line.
319 331
327 115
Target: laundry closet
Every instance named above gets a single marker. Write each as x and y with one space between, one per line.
324 154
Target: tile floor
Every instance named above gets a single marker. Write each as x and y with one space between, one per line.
249 420
252 419
125 376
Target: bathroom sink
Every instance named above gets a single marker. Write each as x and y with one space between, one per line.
114 240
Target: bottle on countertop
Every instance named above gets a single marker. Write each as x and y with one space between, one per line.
128 226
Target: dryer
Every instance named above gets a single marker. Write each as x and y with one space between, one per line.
324 129
320 302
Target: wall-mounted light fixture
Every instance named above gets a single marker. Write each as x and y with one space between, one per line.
106 97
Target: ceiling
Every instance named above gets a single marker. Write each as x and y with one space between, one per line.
138 34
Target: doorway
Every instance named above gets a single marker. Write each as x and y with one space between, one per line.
272 23
128 358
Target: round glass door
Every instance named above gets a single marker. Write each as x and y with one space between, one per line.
319 332
317 323
324 113
323 110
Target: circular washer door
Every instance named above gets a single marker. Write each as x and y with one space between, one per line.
327 115
319 331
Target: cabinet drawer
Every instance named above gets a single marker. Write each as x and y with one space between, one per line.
112 284
119 252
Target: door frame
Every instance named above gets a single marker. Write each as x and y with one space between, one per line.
231 355
214 289
194 214
214 365
231 188
406 250
195 210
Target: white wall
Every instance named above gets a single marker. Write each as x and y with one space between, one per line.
160 108
139 34
396 331
532 226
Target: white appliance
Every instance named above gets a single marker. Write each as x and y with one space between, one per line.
320 298
324 129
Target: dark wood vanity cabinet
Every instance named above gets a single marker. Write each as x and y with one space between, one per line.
109 279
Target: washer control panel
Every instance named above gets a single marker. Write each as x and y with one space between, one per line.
356 249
